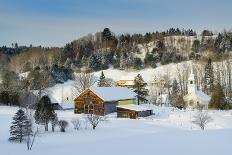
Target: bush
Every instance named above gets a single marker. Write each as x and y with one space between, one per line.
76 123
63 125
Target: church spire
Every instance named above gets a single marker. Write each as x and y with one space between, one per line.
191 82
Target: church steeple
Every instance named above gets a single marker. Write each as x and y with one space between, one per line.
191 83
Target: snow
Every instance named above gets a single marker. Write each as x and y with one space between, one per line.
163 98
203 96
135 107
61 94
23 75
148 74
113 93
170 131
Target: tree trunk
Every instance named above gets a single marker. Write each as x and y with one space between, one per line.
46 126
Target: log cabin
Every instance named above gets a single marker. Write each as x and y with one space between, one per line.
103 100
133 111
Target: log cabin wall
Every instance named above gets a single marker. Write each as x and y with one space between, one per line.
126 113
89 102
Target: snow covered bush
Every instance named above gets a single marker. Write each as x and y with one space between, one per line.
201 119
63 124
76 123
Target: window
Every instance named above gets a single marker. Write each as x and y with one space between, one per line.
191 82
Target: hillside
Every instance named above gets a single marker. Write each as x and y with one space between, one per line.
148 74
105 49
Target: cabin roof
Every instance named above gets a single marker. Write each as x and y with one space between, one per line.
134 107
200 94
113 93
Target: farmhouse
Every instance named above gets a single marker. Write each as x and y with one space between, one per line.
195 97
61 95
133 111
103 100
125 83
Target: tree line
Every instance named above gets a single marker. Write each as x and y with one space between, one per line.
105 49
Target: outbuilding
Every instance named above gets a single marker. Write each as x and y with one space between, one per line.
133 111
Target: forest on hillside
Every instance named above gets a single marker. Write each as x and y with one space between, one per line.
104 50
44 67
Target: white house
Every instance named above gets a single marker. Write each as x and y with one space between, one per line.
61 95
195 97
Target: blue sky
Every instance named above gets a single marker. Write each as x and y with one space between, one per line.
56 22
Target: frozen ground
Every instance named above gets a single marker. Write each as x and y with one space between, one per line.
170 131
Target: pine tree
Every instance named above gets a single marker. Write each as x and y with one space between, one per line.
218 98
106 34
139 89
176 97
20 126
102 80
209 77
175 87
44 112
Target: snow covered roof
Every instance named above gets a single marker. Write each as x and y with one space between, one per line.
202 96
113 93
60 93
53 100
129 83
134 107
199 94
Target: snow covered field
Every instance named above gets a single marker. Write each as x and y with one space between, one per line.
170 131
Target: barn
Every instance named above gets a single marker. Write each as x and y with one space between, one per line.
133 111
103 100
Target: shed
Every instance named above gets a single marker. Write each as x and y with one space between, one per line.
103 100
133 111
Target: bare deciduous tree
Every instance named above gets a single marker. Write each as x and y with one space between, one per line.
31 134
84 80
76 123
95 119
201 119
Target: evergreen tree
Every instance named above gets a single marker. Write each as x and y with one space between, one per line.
218 98
139 89
150 60
196 46
176 97
102 80
20 126
137 63
209 77
106 34
175 87
44 112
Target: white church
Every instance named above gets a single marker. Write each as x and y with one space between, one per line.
195 97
